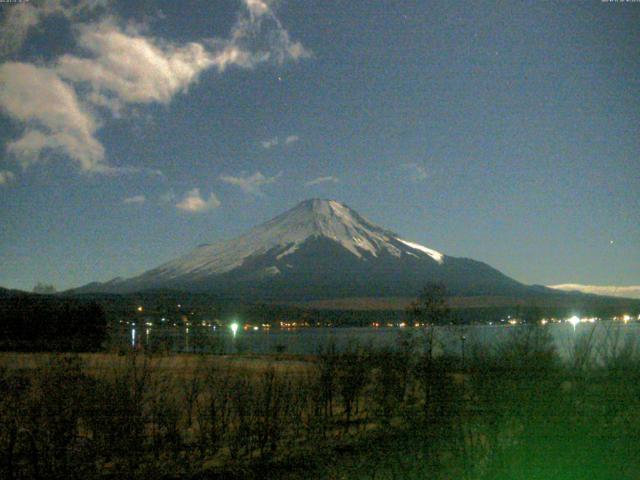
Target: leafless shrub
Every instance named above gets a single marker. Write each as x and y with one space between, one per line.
580 348
352 375
14 388
272 408
327 366
118 411
616 351
213 411
242 398
142 417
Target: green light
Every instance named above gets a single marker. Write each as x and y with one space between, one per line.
574 321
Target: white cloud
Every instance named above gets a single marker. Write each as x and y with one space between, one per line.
6 177
54 117
631 291
257 7
272 142
251 184
260 37
167 197
61 104
316 181
138 199
194 203
416 172
124 65
18 21
22 17
128 170
131 68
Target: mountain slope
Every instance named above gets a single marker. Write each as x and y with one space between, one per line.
318 249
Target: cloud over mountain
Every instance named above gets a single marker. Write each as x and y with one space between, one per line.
193 202
272 142
23 16
136 199
63 104
319 180
54 116
630 291
251 184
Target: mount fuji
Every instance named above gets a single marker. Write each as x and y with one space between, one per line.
319 249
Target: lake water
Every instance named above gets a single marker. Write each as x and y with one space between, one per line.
605 337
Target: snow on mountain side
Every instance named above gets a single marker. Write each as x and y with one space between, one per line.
286 233
318 249
437 256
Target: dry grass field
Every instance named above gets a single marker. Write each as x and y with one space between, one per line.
178 364
512 413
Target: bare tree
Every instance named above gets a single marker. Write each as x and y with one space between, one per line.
431 307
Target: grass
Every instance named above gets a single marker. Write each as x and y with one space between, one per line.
178 363
515 412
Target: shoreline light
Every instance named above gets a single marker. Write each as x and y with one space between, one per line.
573 321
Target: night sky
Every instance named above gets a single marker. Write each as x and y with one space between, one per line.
132 131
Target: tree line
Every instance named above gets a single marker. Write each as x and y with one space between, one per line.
46 323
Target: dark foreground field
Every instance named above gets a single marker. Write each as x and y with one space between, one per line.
514 412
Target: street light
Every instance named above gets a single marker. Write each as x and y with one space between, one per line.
574 321
234 328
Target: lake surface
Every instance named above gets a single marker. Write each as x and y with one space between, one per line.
604 337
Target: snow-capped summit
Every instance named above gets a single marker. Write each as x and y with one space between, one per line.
319 248
310 219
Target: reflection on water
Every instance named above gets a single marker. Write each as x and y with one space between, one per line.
452 340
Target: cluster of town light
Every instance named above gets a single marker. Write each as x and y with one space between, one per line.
234 326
